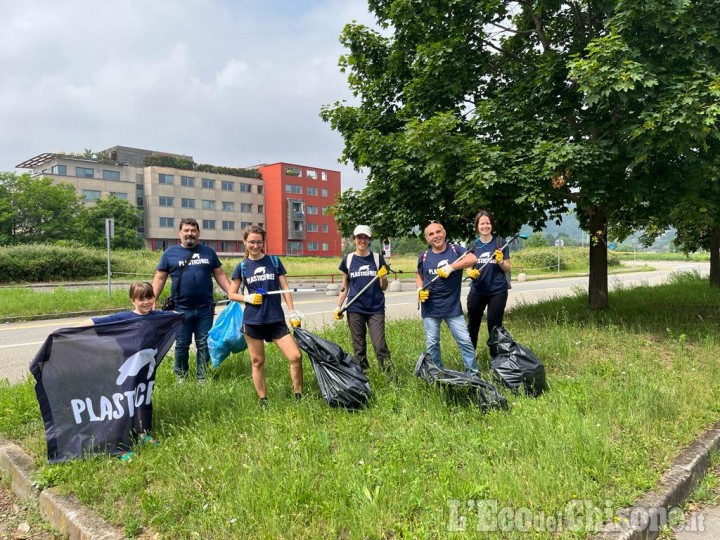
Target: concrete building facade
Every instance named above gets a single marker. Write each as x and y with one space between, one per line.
289 201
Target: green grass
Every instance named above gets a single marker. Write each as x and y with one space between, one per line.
629 387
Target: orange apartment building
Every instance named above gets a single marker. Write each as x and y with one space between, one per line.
296 202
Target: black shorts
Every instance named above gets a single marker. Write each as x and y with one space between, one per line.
268 332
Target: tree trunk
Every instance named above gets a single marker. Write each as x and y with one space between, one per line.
598 279
715 257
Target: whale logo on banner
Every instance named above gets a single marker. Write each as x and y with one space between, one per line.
95 384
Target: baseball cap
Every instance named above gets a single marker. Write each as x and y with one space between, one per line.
362 229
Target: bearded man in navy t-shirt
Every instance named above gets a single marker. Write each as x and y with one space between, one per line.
192 266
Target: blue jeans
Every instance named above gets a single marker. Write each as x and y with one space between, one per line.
198 321
459 331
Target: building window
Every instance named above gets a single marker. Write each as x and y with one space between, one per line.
261 208
187 181
226 185
325 246
228 206
261 189
311 174
312 227
312 210
294 248
167 222
165 178
58 169
188 203
245 224
297 225
90 195
323 175
312 246
311 190
324 192
110 175
293 171
325 228
292 188
208 224
119 195
166 201
246 207
245 188
84 172
228 225
208 205
208 183
261 224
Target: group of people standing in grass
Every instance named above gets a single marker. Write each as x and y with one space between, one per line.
193 266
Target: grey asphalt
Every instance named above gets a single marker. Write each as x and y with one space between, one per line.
76 522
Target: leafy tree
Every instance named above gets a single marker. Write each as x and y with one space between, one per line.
35 210
537 239
525 107
128 222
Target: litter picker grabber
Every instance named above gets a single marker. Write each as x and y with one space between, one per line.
267 293
365 288
460 258
506 244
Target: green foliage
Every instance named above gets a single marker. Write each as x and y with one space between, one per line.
128 221
33 209
525 108
42 262
177 162
536 240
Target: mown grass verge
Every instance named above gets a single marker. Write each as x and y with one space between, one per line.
628 388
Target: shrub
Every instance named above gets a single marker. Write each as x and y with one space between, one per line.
546 258
41 262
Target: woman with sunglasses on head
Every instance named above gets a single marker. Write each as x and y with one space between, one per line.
263 318
367 312
489 287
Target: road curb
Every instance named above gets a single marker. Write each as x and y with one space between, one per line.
650 512
64 512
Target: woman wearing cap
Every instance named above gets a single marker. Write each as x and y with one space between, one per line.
367 311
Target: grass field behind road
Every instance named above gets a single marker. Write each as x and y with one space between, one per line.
628 389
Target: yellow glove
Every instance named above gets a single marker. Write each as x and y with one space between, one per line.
338 315
255 299
445 271
473 273
498 256
423 294
382 272
295 321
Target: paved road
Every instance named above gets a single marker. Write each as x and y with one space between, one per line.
20 341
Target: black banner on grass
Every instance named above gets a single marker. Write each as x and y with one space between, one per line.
95 383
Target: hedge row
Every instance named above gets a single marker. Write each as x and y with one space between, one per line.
41 263
546 258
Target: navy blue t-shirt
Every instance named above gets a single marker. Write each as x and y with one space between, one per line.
262 274
122 316
444 299
196 285
362 271
492 278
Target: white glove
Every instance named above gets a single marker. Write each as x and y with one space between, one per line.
254 299
445 271
294 319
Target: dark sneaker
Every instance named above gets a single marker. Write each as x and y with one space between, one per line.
263 402
298 396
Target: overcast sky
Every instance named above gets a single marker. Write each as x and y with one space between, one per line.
232 83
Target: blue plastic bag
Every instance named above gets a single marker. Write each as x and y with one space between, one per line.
226 336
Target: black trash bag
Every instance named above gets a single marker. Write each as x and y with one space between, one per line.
486 395
516 366
341 380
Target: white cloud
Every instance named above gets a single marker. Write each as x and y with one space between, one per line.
230 82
